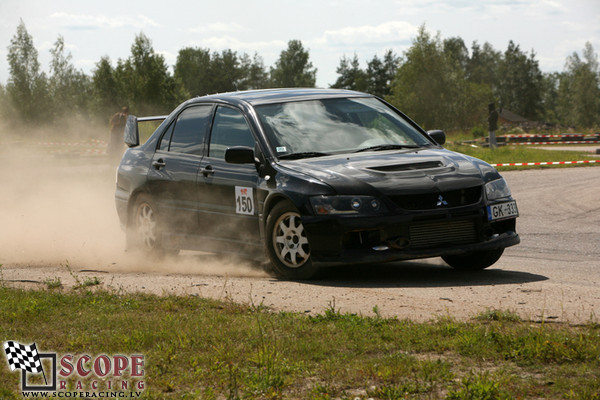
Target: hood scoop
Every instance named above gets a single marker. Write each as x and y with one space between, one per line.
408 166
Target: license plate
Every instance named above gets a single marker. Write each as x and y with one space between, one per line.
502 210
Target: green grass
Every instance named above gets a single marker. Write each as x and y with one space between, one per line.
54 283
198 348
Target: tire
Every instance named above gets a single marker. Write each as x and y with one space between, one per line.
286 244
144 230
475 261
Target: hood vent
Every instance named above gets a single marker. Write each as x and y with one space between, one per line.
408 167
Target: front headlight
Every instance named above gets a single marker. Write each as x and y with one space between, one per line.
330 205
497 189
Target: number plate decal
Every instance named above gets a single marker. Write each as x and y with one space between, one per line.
502 211
244 200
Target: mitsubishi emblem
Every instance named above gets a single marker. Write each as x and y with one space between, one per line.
441 201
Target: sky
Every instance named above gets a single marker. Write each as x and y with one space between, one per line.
328 29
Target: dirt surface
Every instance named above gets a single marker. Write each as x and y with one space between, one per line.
58 221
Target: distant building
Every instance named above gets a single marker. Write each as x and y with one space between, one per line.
508 120
507 117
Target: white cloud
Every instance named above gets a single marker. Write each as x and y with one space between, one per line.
92 22
392 32
222 27
422 9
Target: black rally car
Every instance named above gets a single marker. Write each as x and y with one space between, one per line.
310 177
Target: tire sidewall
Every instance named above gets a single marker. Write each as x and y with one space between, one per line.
282 271
134 240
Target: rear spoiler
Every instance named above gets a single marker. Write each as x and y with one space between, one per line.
131 135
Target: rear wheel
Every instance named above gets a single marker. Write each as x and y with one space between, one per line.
144 232
287 245
474 261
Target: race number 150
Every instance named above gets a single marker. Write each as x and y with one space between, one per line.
244 203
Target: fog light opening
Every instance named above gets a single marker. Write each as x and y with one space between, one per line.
398 243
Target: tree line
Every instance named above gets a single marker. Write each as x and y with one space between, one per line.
437 82
441 84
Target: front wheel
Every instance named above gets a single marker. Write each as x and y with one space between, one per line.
287 245
474 261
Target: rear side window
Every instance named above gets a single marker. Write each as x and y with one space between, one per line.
190 129
229 129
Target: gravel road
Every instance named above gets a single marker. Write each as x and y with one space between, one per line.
60 222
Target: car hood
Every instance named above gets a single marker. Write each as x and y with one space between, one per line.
396 172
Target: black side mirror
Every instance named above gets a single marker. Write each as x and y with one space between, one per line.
131 135
438 135
239 155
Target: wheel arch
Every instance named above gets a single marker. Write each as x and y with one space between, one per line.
271 202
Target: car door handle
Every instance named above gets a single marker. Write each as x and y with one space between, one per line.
208 170
158 164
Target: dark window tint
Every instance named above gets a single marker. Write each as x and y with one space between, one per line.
190 128
166 139
229 129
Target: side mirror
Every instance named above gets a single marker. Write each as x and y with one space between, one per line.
438 136
131 135
239 155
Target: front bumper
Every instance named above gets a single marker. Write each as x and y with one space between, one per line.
407 236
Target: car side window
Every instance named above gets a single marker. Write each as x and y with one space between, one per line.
190 129
229 129
166 139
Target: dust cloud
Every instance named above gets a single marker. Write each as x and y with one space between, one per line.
57 209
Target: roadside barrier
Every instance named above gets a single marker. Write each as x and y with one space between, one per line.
546 163
565 138
565 142
563 135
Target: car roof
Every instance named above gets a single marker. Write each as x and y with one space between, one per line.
270 96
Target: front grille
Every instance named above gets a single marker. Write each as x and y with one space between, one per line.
442 233
430 201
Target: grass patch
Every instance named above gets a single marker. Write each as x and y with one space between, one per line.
54 283
87 282
79 283
198 348
498 315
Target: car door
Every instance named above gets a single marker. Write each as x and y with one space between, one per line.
173 174
227 195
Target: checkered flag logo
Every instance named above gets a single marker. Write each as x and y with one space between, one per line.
23 357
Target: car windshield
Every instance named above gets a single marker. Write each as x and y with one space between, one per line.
332 126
